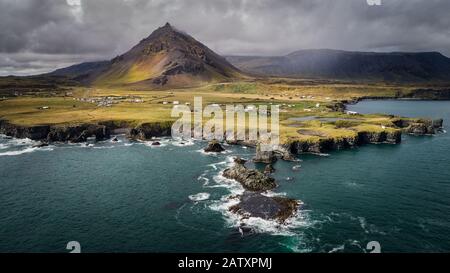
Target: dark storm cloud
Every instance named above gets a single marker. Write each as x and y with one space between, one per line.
40 35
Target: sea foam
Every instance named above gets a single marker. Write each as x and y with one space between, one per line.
199 197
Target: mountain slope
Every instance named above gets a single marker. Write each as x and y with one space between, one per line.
81 71
167 58
335 64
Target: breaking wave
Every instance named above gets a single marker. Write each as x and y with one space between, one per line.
25 151
199 197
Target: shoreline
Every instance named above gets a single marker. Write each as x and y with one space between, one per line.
104 130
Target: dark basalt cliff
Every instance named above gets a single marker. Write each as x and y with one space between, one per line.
253 203
419 126
147 131
76 133
269 208
252 180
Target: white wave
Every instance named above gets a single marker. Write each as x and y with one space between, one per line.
337 249
104 147
273 194
215 166
363 223
203 196
4 146
234 187
25 151
150 144
202 151
21 142
86 145
182 143
203 178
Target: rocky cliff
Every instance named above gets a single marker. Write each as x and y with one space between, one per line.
147 131
253 203
251 180
48 133
404 125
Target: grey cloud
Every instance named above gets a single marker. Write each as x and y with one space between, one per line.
101 29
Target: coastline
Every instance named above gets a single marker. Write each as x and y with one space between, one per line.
79 133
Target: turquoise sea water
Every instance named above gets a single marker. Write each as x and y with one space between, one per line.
131 197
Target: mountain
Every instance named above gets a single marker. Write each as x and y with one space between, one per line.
168 57
79 71
346 65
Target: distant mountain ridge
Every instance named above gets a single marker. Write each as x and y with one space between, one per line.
347 65
171 58
167 57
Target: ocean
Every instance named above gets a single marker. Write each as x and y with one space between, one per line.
134 197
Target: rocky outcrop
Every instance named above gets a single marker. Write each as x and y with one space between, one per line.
285 153
267 157
389 135
323 145
338 106
46 133
419 126
214 147
251 180
332 144
239 160
269 169
147 131
394 137
269 208
17 131
253 203
78 133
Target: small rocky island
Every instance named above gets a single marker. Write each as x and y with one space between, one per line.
214 147
253 203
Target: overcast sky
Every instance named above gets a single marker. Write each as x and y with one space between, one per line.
38 36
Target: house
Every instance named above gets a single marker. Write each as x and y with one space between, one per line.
352 113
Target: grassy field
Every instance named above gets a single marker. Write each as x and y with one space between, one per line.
296 99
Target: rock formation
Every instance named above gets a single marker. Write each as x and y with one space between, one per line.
267 157
254 204
419 126
147 131
47 133
268 208
214 147
269 169
251 180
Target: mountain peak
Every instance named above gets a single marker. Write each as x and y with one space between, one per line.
167 27
168 57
